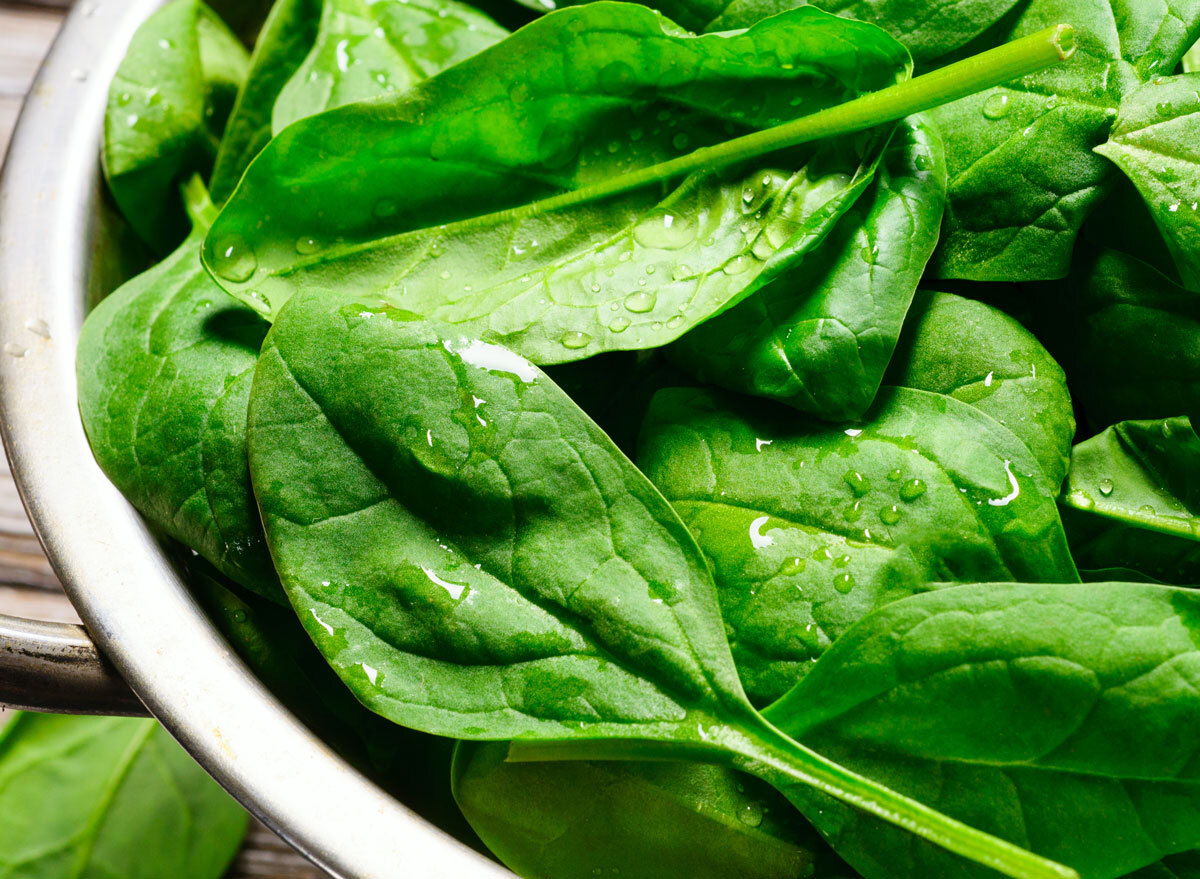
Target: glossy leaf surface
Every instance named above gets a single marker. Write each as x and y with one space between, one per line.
99 797
820 337
166 109
1055 716
809 526
397 197
1155 143
164 367
1023 174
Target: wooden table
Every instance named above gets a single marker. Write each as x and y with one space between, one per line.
28 586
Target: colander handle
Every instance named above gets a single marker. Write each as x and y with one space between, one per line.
56 667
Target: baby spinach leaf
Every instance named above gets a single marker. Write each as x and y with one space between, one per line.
1154 143
1137 349
809 526
820 337
1023 174
409 211
979 355
284 43
475 558
98 797
166 108
1055 716
1100 545
637 820
164 367
368 48
1182 866
1145 473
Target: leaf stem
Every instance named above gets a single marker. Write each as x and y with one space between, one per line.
201 211
950 83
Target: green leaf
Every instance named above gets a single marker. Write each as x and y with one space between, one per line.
635 820
369 48
1023 174
808 526
1104 548
164 367
475 558
820 337
1054 716
166 108
408 212
979 355
1155 143
1136 351
1144 473
286 38
99 797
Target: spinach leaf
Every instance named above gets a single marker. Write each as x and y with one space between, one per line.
1104 548
368 48
166 108
809 526
1136 351
1145 473
1023 174
1154 143
820 337
1055 716
164 367
404 212
286 38
637 820
475 558
98 797
1182 866
979 355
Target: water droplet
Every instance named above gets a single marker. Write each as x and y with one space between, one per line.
1146 510
870 253
858 483
79 74
738 265
306 245
1167 430
841 561
12 349
38 327
202 305
1106 487
675 321
912 490
165 45
1164 108
444 274
853 513
895 475
123 99
997 106
575 340
641 301
618 78
665 232
234 261
890 515
751 814
680 141
619 325
844 582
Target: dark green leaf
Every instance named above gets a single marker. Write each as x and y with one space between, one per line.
101 797
820 337
1155 142
1104 548
1023 176
164 367
166 109
1058 717
285 40
808 526
369 48
397 197
633 820
979 355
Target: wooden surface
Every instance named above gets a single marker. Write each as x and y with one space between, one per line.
28 586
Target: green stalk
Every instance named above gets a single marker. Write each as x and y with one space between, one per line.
200 209
959 80
784 763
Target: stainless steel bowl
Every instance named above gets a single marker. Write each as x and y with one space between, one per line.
58 247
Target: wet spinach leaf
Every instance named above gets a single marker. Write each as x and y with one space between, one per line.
1052 715
98 797
408 213
1023 174
475 558
820 337
1105 548
164 367
809 526
1155 143
167 107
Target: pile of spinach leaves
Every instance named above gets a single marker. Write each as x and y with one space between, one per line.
676 407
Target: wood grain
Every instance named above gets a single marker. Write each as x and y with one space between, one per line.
28 586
